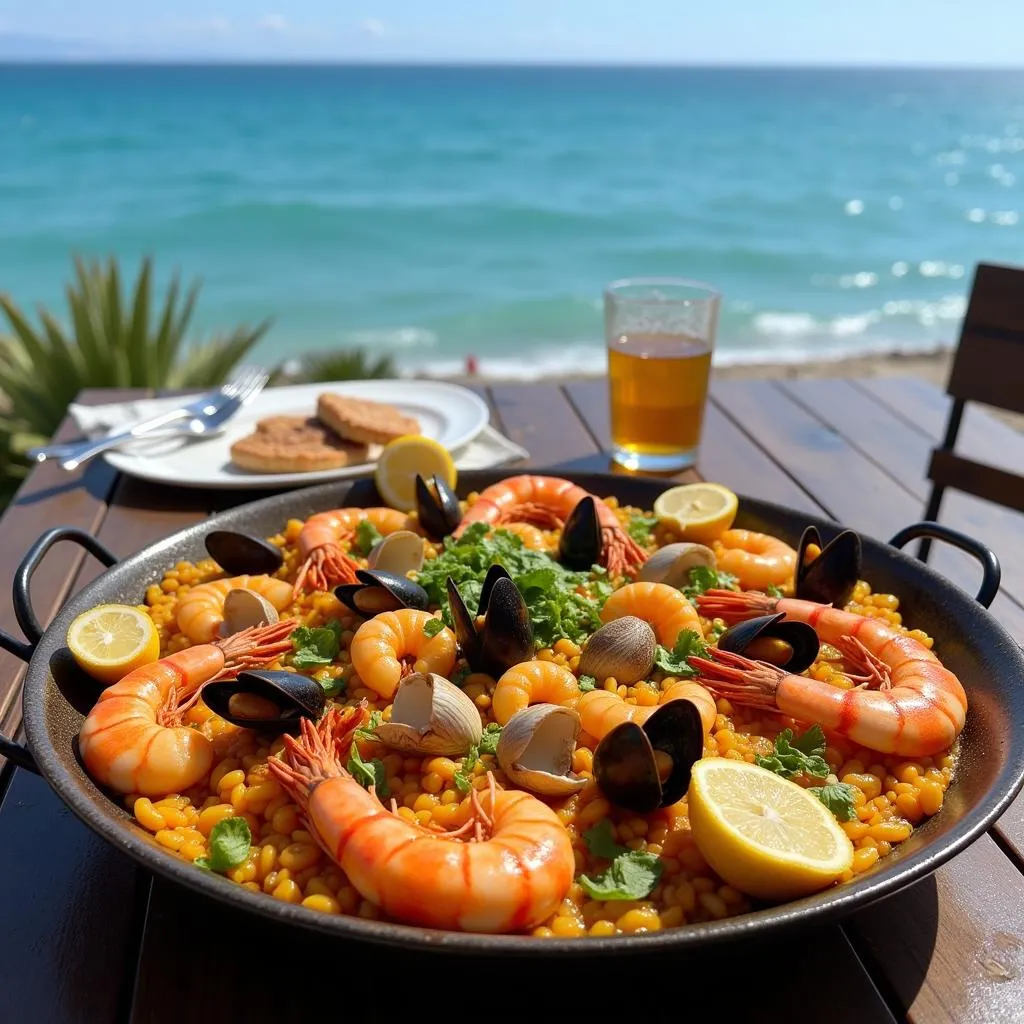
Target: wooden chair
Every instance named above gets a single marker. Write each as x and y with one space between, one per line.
988 367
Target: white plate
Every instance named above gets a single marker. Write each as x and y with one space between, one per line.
451 414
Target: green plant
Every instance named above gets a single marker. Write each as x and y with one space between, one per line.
113 340
348 364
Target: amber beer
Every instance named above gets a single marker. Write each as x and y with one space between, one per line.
660 338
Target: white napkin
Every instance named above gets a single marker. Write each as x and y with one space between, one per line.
486 450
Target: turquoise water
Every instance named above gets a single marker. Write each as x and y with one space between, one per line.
435 212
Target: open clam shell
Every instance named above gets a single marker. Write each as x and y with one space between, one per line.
266 700
378 591
431 715
792 646
399 553
580 545
241 554
535 749
244 609
671 564
831 577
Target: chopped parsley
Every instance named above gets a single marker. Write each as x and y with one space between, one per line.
773 591
587 683
801 756
316 645
838 798
369 731
369 773
631 875
488 744
432 627
640 526
688 644
366 536
703 578
228 845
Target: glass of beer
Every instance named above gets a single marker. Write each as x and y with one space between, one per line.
660 334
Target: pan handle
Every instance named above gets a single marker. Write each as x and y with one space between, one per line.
991 573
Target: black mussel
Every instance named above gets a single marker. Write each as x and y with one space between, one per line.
626 763
240 554
437 507
792 646
580 546
266 700
378 591
831 577
506 636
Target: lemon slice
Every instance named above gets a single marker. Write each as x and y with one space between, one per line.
697 512
400 461
766 836
111 640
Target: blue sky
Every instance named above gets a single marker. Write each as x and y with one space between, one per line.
986 32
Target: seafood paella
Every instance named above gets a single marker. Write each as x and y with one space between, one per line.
530 711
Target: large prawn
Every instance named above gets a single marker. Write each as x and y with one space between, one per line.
133 740
548 501
325 562
510 875
907 703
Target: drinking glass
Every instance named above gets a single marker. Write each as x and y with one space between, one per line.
660 333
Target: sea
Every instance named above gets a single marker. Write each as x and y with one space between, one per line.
440 213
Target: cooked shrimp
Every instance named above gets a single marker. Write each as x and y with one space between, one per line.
666 609
533 682
547 501
200 610
325 563
601 710
907 703
757 560
510 876
385 645
133 740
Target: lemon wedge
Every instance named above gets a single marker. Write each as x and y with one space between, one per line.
111 640
697 512
766 836
405 457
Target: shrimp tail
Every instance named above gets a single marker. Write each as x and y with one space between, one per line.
622 555
874 673
739 679
734 607
325 567
257 645
319 751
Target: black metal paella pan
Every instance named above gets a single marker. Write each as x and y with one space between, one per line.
970 642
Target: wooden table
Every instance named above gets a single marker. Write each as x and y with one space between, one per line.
89 937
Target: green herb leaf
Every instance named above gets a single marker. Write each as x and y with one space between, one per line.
587 683
630 876
773 591
489 741
369 731
838 798
600 842
639 527
332 685
316 645
369 773
689 643
463 779
802 756
229 843
704 578
366 536
488 744
432 627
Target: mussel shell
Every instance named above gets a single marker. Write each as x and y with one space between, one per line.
465 625
677 729
296 695
240 554
507 635
438 513
378 591
580 544
831 577
800 637
495 573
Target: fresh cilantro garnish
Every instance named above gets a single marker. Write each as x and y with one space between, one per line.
369 773
550 590
631 875
773 591
228 844
432 627
369 731
489 741
802 756
704 578
587 683
366 536
639 527
838 798
316 645
463 778
688 644
488 744
333 685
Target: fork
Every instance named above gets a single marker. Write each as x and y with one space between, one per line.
202 416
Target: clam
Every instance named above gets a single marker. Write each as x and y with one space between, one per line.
246 608
535 749
266 700
790 645
431 715
623 648
642 768
240 554
379 591
506 637
672 564
580 545
437 507
399 553
831 577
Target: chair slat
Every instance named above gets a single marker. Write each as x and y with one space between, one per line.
947 469
997 299
989 367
